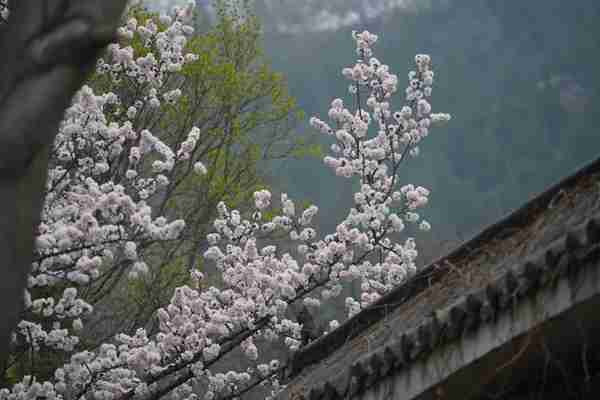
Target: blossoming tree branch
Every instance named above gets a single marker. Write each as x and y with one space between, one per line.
86 225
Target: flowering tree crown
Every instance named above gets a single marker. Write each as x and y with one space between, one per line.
201 325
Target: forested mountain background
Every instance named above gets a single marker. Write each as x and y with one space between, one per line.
519 78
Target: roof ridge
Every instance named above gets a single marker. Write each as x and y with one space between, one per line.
563 257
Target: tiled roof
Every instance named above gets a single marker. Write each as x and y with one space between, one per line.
533 247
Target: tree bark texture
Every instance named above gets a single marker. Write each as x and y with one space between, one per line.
47 48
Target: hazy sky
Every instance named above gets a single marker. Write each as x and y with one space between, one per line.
298 16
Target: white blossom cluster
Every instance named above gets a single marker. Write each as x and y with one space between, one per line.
169 55
95 214
29 388
380 208
200 324
88 219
